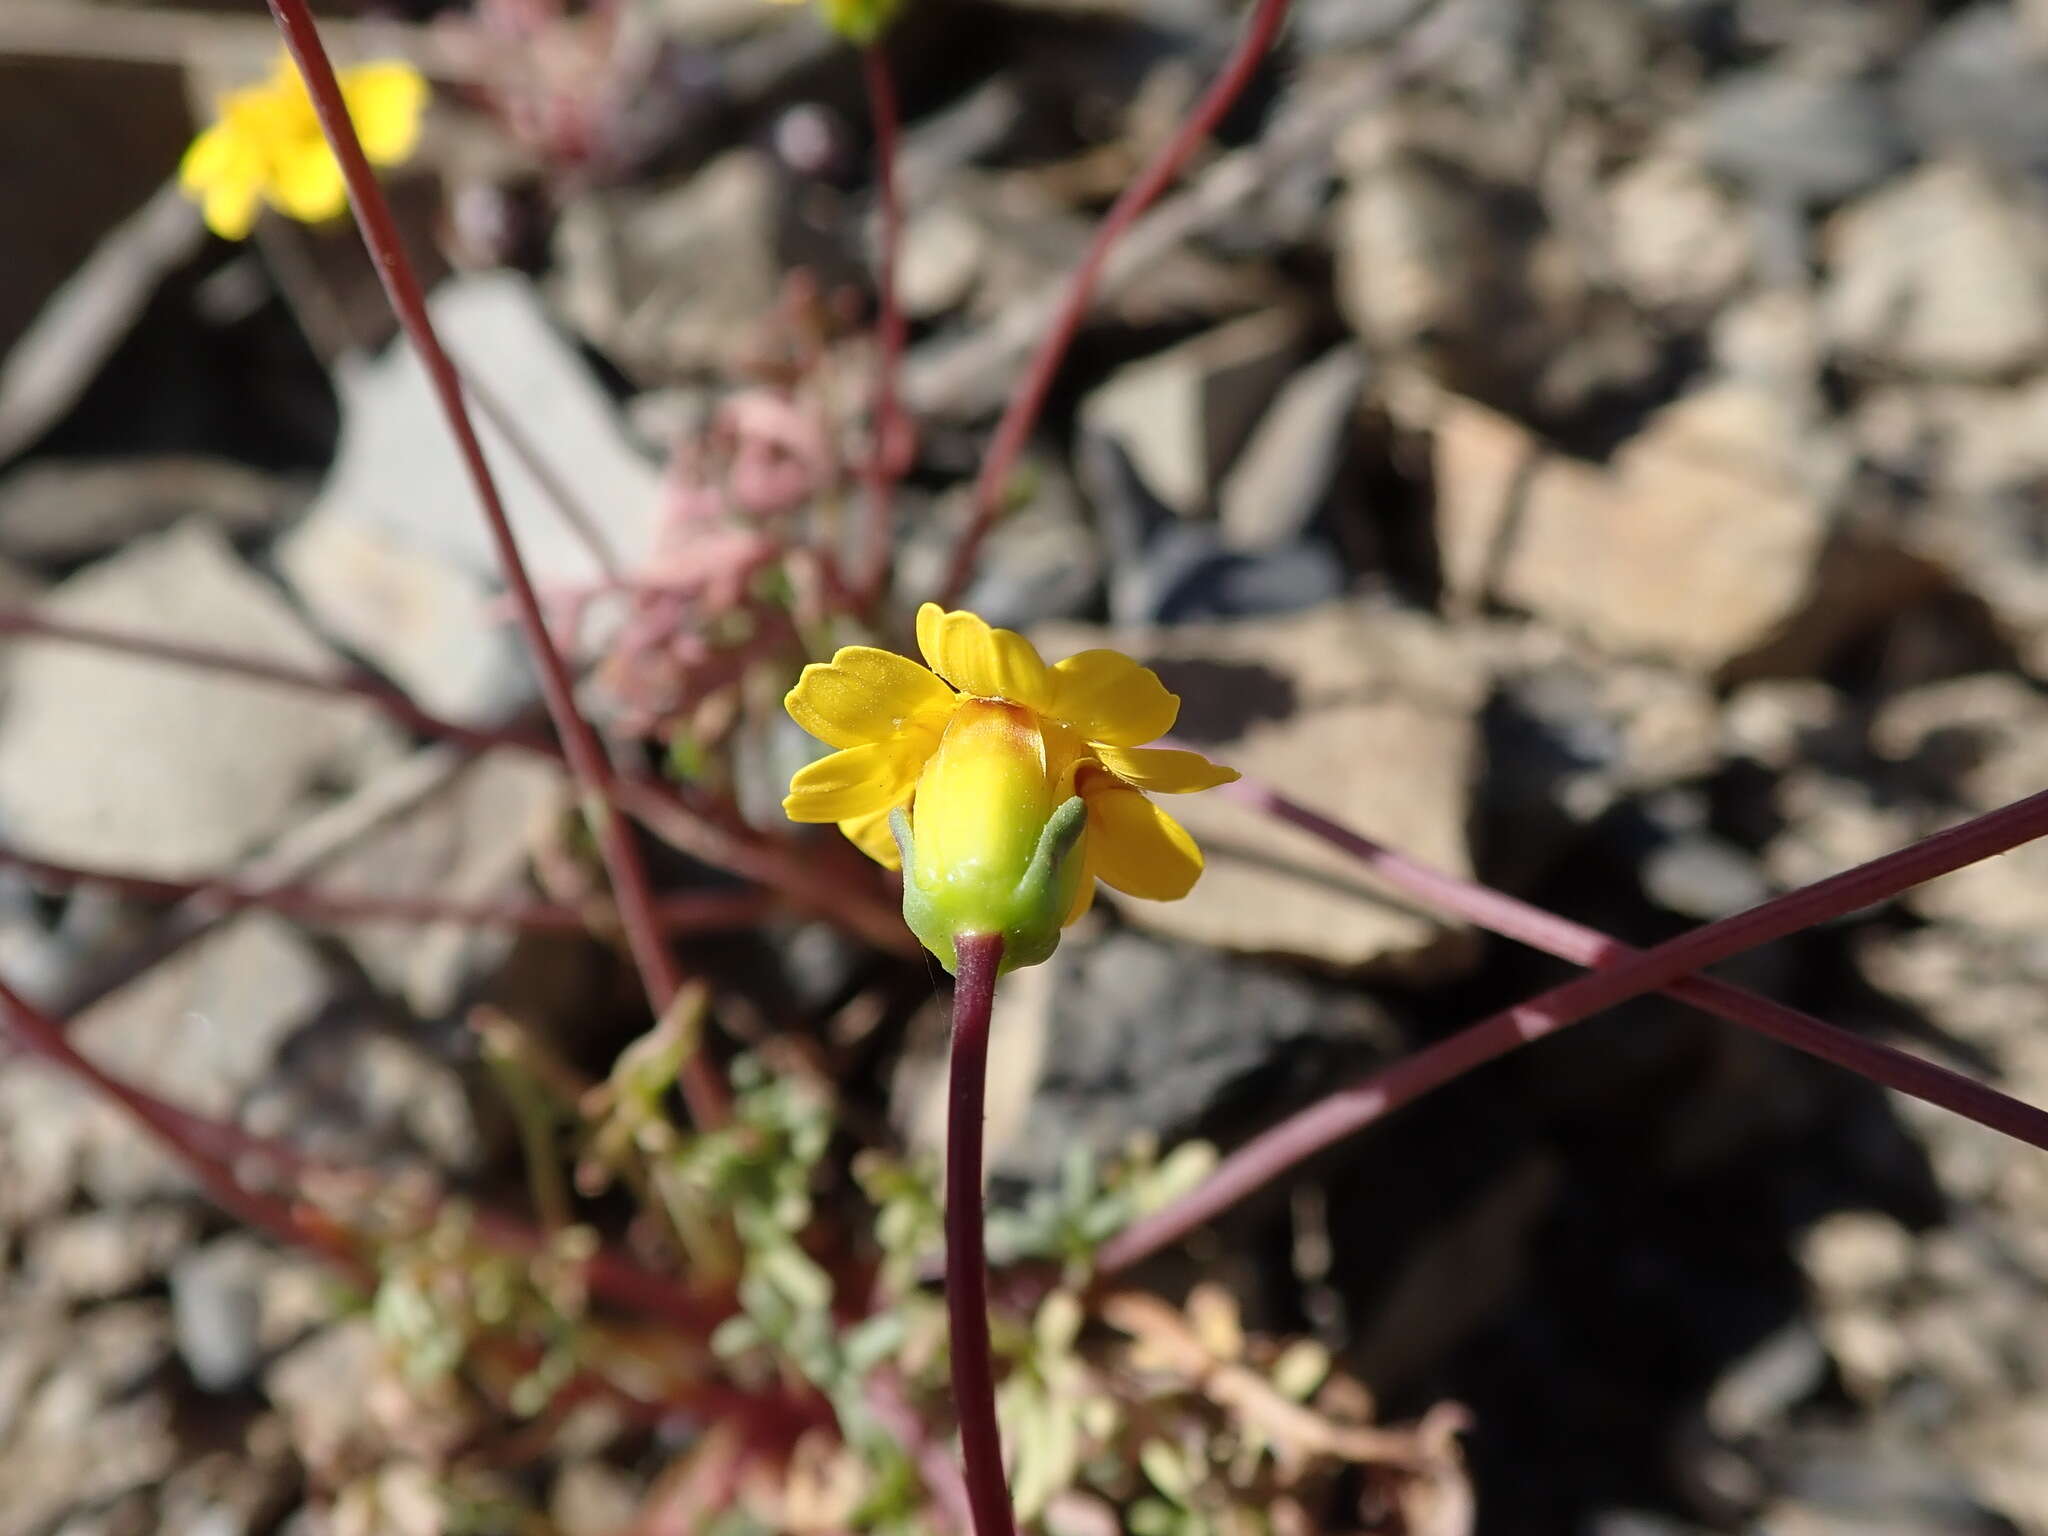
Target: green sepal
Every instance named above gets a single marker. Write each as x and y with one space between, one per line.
1029 916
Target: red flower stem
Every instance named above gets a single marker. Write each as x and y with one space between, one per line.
703 1090
1351 1109
1503 914
568 507
979 956
689 912
1022 411
186 1136
880 469
391 701
789 871
210 1148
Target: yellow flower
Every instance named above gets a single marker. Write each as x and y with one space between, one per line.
266 145
858 21
984 752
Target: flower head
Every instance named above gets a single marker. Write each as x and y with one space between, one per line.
858 21
266 146
1007 786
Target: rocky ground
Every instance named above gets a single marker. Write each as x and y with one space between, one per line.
1597 445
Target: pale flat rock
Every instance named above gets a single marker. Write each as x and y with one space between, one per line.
1676 238
1697 545
58 510
1183 414
1414 250
91 1427
1942 272
674 279
1991 733
468 844
202 1030
1484 465
395 556
1289 466
158 767
434 628
1366 715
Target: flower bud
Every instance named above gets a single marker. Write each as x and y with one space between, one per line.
986 849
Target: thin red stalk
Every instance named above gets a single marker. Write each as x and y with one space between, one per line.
210 1148
703 1090
979 957
36 624
1021 413
1351 1109
1503 914
655 805
567 505
880 469
186 1137
692 911
792 871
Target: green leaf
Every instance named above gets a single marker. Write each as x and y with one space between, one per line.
1302 1367
1167 1469
867 1344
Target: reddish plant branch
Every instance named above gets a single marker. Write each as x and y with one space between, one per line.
1503 914
568 506
655 805
688 912
36 624
186 1136
703 1090
881 468
1351 1109
974 1382
1021 412
210 1148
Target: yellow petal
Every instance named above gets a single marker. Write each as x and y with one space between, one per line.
1108 697
214 154
230 207
1135 846
1162 770
308 183
872 835
225 173
865 695
857 782
385 102
983 799
987 663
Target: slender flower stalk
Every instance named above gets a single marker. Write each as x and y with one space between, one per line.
1352 1108
33 622
655 805
1503 914
185 1136
974 1384
1022 411
687 912
881 469
703 1090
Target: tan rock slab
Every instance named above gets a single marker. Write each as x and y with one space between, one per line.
1365 714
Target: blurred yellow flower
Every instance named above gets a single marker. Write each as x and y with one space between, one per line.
984 751
858 21
266 145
